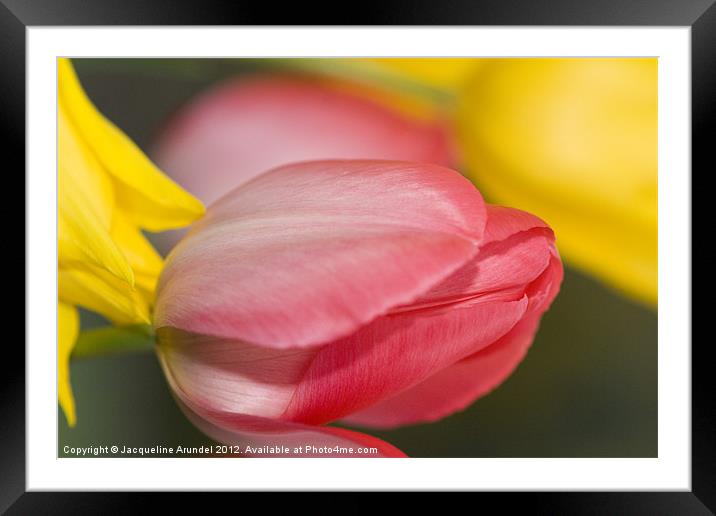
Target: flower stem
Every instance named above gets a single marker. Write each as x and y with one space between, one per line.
114 340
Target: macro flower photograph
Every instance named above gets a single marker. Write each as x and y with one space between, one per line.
357 257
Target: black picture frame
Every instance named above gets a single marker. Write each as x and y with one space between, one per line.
17 15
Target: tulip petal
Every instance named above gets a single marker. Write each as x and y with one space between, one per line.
152 200
240 129
515 250
303 441
67 329
310 252
503 222
247 368
394 353
457 386
231 375
544 289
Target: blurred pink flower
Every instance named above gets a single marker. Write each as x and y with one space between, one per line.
239 129
378 293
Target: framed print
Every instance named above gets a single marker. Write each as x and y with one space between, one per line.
387 257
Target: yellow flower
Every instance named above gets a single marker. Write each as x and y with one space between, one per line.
574 141
108 191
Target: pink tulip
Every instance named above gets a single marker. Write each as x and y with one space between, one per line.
378 293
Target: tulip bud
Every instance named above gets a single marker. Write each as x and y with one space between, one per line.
381 293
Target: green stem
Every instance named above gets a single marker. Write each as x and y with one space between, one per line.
114 340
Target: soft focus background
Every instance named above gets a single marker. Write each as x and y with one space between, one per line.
587 388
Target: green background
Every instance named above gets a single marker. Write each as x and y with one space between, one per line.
587 388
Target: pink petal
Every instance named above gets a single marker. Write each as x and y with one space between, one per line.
395 353
454 388
236 392
504 222
516 249
544 289
257 432
310 252
510 264
230 375
244 127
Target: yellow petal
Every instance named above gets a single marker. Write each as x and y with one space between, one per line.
67 329
142 257
101 292
85 203
574 141
150 199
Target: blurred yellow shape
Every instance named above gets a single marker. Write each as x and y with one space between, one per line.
108 191
67 330
575 142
